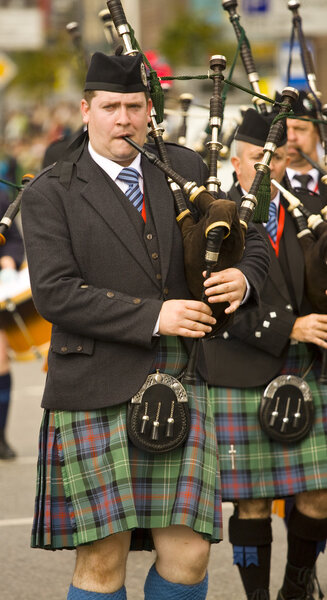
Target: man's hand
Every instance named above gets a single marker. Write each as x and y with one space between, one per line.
226 286
188 318
311 328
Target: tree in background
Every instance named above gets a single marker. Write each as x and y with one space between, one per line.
191 40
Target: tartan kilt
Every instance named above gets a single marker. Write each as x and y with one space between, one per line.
92 483
264 468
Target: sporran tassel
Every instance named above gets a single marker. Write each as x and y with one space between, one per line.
155 425
170 422
145 418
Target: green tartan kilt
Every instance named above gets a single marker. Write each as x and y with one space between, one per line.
252 465
92 483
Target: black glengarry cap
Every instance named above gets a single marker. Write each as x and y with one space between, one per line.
255 127
123 74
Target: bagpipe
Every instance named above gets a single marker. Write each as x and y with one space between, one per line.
246 54
214 239
215 245
13 208
244 49
312 229
312 236
83 57
309 71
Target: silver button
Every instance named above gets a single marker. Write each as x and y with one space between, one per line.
266 324
289 307
226 335
257 334
273 315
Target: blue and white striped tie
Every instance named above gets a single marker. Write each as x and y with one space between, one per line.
271 226
133 192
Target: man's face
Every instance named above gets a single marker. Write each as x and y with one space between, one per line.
251 154
301 135
110 116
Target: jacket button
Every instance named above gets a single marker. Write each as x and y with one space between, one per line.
289 307
84 286
158 276
149 236
79 348
136 300
110 294
155 255
63 348
165 291
257 334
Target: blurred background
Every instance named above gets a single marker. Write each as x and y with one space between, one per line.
42 65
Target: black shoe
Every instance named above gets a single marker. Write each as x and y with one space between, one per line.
305 597
6 452
299 584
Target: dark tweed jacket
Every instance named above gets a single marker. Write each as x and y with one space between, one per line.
93 275
254 348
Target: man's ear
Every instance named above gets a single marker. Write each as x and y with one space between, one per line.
85 110
236 163
149 108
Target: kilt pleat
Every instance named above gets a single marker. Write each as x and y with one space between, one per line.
260 467
91 482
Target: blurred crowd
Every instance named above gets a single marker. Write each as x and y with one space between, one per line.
27 133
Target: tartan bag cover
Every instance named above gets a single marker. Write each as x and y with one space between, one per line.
252 465
92 483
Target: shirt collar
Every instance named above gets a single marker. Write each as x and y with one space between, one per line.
313 172
111 167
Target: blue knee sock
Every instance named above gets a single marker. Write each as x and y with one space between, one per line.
5 383
75 593
157 588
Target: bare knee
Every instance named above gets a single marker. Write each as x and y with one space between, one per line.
101 566
257 508
312 504
182 554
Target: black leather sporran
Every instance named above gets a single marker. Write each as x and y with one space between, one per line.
158 416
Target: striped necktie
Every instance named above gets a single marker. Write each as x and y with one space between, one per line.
133 192
271 226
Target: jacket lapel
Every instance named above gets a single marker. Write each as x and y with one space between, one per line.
295 258
110 207
275 275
